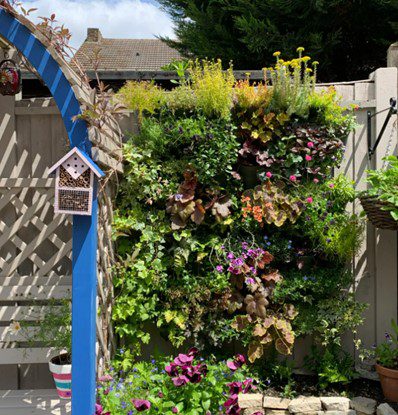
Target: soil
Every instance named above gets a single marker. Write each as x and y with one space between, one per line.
307 386
62 359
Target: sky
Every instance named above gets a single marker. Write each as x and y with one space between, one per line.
115 18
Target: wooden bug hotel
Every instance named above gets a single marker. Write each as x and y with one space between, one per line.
74 183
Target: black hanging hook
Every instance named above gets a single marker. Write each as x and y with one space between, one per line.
392 110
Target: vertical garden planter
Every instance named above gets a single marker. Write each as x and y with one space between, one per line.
61 370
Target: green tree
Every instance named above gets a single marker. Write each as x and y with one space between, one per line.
348 37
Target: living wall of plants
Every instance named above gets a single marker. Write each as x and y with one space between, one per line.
231 221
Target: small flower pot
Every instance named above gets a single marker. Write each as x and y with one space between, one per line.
389 382
61 369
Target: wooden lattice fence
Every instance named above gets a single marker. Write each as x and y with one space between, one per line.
35 245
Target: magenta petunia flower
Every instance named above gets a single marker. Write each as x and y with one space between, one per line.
219 268
141 405
308 158
309 199
310 144
293 178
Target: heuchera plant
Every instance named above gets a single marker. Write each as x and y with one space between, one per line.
253 282
269 204
186 385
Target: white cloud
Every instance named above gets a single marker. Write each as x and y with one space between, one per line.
118 19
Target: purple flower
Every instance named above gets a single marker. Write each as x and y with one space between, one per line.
230 255
219 268
178 196
174 409
250 281
141 405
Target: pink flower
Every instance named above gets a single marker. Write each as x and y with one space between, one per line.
105 378
219 268
331 185
171 369
239 361
316 180
308 158
293 178
309 199
310 144
174 410
268 174
183 359
180 381
141 405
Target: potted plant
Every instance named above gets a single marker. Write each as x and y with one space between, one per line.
380 202
387 364
54 331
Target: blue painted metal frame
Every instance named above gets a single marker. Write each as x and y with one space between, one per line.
84 288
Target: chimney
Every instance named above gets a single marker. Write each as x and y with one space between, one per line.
93 35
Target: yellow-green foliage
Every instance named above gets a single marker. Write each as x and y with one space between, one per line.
252 96
213 87
141 96
325 106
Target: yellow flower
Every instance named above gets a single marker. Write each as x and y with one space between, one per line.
300 49
306 58
309 70
315 63
276 54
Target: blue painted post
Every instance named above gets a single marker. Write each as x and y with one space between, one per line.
84 299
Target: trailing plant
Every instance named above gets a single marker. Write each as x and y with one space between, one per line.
384 185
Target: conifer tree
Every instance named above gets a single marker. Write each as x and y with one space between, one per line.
348 37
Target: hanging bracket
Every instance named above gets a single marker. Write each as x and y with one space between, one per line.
392 110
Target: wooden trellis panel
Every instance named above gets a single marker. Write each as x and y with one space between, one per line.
35 245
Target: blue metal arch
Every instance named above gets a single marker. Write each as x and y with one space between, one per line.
84 251
51 73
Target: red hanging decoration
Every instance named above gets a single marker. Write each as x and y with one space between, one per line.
10 77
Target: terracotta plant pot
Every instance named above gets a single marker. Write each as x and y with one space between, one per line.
389 382
61 369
